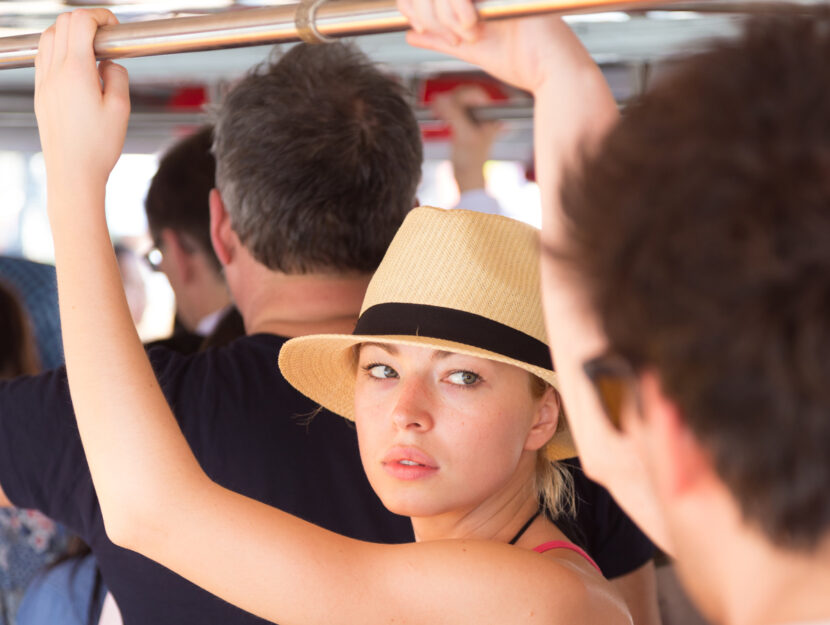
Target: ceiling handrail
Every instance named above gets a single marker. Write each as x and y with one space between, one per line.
278 24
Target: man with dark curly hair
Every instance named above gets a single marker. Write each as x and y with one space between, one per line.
687 286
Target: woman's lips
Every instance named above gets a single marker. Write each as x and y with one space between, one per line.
408 463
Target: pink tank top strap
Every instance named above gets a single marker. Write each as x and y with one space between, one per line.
562 544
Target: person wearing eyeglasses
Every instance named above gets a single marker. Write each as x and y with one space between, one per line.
686 271
178 215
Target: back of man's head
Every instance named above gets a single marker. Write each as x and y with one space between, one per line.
318 160
702 229
178 194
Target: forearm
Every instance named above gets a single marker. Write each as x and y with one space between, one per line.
134 456
571 118
573 110
469 177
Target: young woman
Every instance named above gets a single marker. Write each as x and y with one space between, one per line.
447 377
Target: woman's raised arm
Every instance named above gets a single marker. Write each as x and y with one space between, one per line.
574 108
256 557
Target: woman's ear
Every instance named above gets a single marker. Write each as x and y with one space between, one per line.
545 420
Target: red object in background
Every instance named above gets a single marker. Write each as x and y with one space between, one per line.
530 171
188 98
444 84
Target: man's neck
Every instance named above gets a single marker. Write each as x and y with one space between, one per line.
779 587
297 305
740 578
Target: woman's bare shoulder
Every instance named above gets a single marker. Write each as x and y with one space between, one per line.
492 582
585 586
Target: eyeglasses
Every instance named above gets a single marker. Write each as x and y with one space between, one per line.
154 257
615 382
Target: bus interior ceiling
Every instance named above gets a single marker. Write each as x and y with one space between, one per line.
169 92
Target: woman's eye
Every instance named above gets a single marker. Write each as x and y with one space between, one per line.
463 378
382 372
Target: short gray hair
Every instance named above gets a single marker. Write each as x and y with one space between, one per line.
318 160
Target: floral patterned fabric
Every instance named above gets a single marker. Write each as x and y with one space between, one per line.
28 542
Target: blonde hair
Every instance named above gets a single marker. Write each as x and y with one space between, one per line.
554 483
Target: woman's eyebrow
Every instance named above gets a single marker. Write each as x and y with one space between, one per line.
384 346
440 354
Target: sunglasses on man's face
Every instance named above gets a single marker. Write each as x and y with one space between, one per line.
614 381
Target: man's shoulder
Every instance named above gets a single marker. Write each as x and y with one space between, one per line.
247 349
241 377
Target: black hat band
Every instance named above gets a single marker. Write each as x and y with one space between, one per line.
459 326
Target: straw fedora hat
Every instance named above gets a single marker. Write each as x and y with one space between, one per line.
453 280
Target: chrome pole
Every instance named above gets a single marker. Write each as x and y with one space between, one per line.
257 26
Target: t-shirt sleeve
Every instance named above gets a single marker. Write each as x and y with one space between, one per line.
601 527
42 462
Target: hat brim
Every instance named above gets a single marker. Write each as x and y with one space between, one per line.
322 367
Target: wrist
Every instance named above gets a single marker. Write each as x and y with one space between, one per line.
469 178
74 205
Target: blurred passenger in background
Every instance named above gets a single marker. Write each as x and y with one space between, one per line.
471 143
179 218
18 354
69 592
28 540
37 288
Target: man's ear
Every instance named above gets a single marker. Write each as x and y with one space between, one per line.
679 462
222 235
545 421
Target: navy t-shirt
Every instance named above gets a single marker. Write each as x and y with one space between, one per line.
252 433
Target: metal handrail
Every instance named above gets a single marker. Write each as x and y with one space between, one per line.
257 26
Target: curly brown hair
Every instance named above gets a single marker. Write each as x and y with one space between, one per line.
702 231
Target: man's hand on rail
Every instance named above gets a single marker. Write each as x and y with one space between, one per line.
451 20
573 111
527 53
82 109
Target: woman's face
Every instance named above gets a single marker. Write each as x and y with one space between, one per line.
440 431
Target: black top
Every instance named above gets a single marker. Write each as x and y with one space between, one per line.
246 425
602 529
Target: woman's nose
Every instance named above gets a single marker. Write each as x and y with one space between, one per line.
413 410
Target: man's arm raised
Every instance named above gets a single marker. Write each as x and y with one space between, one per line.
574 109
